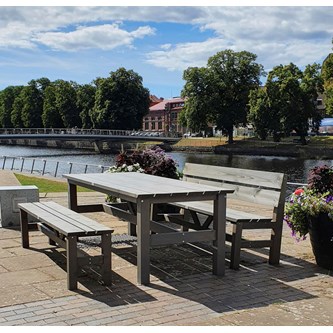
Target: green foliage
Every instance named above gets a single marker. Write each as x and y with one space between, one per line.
51 117
259 114
121 101
288 101
195 114
327 75
15 116
65 100
219 93
316 199
7 97
85 103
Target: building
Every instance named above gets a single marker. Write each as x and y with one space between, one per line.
155 100
163 116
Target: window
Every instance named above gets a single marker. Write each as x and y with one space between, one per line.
173 116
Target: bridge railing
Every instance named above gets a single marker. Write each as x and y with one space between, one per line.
81 131
49 167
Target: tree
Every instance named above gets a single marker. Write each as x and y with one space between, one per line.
85 103
16 114
195 113
51 117
327 75
294 93
259 115
121 101
31 99
222 89
66 103
7 97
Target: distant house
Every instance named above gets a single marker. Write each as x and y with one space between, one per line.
155 100
163 116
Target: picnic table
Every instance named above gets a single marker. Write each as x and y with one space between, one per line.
143 191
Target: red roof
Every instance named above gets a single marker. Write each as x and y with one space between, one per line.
161 105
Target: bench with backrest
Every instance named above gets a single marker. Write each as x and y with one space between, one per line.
256 203
63 227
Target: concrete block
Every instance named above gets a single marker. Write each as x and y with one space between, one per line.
10 197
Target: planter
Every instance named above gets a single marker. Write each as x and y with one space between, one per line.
321 237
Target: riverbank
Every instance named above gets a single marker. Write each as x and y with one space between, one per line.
317 147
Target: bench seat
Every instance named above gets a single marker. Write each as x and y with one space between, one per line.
63 227
260 196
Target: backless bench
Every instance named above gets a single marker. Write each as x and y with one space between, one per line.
63 227
251 187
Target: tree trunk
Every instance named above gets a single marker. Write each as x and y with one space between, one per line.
230 135
303 140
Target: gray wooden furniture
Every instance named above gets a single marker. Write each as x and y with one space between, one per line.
63 227
142 191
250 187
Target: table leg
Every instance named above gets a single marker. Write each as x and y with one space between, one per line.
143 248
24 229
107 262
219 225
72 197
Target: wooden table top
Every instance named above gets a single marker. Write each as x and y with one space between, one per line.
136 185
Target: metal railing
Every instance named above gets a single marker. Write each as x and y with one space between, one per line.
79 131
56 168
42 166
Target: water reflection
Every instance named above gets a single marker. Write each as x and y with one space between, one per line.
296 169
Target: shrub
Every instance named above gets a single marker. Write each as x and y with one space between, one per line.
153 161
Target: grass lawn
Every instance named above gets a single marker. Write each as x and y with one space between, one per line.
46 185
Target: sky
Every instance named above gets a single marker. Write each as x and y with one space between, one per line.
83 40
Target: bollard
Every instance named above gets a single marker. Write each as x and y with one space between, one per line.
44 167
56 169
22 164
32 166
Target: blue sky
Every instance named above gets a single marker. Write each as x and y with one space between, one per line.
82 43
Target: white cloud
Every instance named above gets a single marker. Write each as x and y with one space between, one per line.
278 35
104 37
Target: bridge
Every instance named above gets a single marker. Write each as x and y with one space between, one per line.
75 134
100 140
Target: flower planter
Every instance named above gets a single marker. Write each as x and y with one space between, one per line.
321 237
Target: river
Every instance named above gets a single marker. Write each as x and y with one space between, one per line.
296 169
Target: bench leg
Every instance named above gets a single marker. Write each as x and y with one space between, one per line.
275 248
24 229
72 267
236 240
107 265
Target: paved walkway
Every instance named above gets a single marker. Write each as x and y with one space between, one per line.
182 292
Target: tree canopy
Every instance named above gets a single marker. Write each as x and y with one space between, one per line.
327 75
288 102
117 102
219 92
121 101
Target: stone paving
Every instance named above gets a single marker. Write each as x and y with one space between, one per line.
182 291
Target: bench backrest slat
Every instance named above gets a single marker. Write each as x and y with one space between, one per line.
262 187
